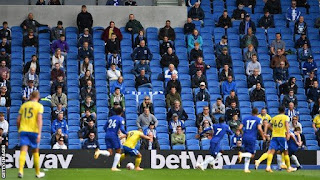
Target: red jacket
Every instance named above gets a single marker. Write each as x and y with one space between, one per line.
105 35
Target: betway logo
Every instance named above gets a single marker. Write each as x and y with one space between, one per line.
185 159
46 160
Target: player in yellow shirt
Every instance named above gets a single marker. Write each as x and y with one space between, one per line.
316 123
29 124
264 115
129 147
280 126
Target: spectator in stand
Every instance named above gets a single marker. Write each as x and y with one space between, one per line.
177 109
304 53
238 13
203 94
252 65
58 123
246 3
208 135
169 58
314 92
302 41
87 76
88 104
61 44
113 73
60 109
278 59
255 78
292 13
230 98
4 125
31 75
246 24
60 144
142 52
59 98
236 138
234 123
174 123
146 118
30 39
248 39
85 37
85 51
224 58
54 2
165 45
87 130
5 57
292 111
116 59
33 63
171 70
179 137
238 146
300 26
189 26
224 20
258 94
303 3
281 74
88 91
218 107
225 72
167 31
5 45
309 66
57 58
172 96
84 121
316 127
193 38
142 80
5 100
139 66
150 144
113 44
250 52
112 111
266 21
130 3
56 72
4 69
119 83
223 43
141 36
264 115
4 81
199 64
197 79
5 31
111 29
316 107
204 116
233 110
84 19
196 13
309 81
174 82
56 136
146 103
133 26
273 6
57 31
28 90
91 142
228 86
291 97
30 23
195 52
291 84
114 3
276 44
41 2
86 66
119 98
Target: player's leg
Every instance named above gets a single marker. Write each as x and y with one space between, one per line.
213 151
263 157
22 159
283 146
116 160
138 161
107 152
35 152
295 160
250 151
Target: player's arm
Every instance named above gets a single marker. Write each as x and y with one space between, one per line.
145 137
39 122
268 126
206 130
296 140
240 126
287 129
18 121
123 130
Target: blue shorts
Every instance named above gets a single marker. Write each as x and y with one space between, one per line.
29 139
112 142
278 144
249 145
131 152
214 148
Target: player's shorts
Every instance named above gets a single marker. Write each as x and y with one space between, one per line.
112 142
131 152
292 149
214 148
278 144
29 139
249 145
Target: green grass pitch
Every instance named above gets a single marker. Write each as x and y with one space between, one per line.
166 174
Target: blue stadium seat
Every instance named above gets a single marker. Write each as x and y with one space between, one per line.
164 147
178 147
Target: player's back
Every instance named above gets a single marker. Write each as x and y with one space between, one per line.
279 125
29 116
219 131
250 127
113 125
132 139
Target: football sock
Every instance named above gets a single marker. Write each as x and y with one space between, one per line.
287 160
282 158
269 160
246 155
279 160
207 161
295 160
36 160
246 163
116 160
263 157
104 152
22 161
137 162
123 156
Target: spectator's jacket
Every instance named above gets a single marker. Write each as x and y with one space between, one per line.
115 98
113 75
200 119
135 25
59 44
203 95
170 98
252 80
196 80
84 132
266 22
55 100
84 79
287 99
242 26
223 59
300 42
178 139
192 39
84 93
27 67
85 38
56 124
182 115
237 14
275 61
169 59
117 84
300 28
84 20
145 144
196 13
174 124
56 32
6 46
5 100
88 144
5 33
113 46
105 35
141 80
116 60
5 126
85 52
31 24
194 67
223 76
274 7
308 67
144 121
234 125
281 74
91 107
171 34
219 48
222 108
27 77
246 3
257 95
313 94
230 112
164 46
194 54
138 67
293 14
224 22
188 28
176 84
229 100
227 87
30 41
251 66
303 54
144 105
143 53
138 39
309 82
246 38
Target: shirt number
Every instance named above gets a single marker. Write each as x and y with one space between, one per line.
112 123
218 131
28 113
279 125
250 124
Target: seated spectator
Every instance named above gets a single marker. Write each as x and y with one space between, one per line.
85 37
195 52
31 75
174 123
84 19
232 97
167 31
197 79
5 57
133 26
84 121
59 98
4 69
246 24
5 82
5 100
225 72
316 127
193 38
264 116
238 13
4 125
304 53
309 81
88 91
91 142
142 80
258 94
85 51
57 135
249 53
28 90
301 41
255 78
151 129
146 103
30 23
207 135
113 44
54 2
203 94
238 146
291 111
146 118
292 14
111 29
117 97
281 74
59 109
199 64
33 63
87 76
171 70
314 92
116 59
291 84
231 111
86 66
85 132
57 31
278 59
142 53
218 107
30 39
246 3
234 123
169 58
150 144
224 58
309 66
276 44
57 58
236 138
228 86
252 65
88 104
177 109
113 74
196 13
61 44
139 66
60 144
141 36
224 20
172 96
300 27
165 45
189 26
119 83
248 39
273 6
4 138
291 97
5 31
5 44
266 21
179 137
41 2
60 123
130 3
223 43
205 116
174 82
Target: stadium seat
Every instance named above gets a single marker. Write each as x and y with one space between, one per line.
178 147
